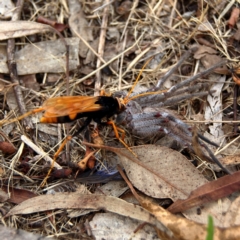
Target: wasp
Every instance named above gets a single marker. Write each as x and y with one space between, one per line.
65 109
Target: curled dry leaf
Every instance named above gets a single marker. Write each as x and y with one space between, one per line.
84 162
61 173
209 57
124 7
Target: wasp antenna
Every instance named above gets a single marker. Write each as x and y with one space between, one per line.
146 94
126 99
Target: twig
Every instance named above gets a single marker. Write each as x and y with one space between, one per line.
12 66
235 95
40 152
135 3
101 47
215 160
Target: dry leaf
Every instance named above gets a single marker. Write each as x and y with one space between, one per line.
18 195
181 227
209 57
30 81
213 110
211 191
79 24
45 57
161 172
6 9
18 29
234 17
112 226
232 217
184 229
58 26
3 196
231 160
7 147
86 201
112 188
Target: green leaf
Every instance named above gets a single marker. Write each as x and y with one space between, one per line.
210 229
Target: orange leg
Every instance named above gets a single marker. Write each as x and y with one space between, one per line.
116 129
68 138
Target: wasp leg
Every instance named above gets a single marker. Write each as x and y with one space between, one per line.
115 129
85 124
122 131
68 138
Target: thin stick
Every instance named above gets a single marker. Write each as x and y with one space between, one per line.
40 151
101 46
235 95
12 66
135 3
105 63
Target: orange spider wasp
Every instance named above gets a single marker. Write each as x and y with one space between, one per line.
67 109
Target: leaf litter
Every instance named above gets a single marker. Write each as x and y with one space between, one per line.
135 32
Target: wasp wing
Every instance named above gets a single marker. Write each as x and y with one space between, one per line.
67 105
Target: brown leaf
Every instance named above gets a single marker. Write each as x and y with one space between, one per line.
18 195
211 191
58 26
61 173
30 81
209 57
7 147
234 17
